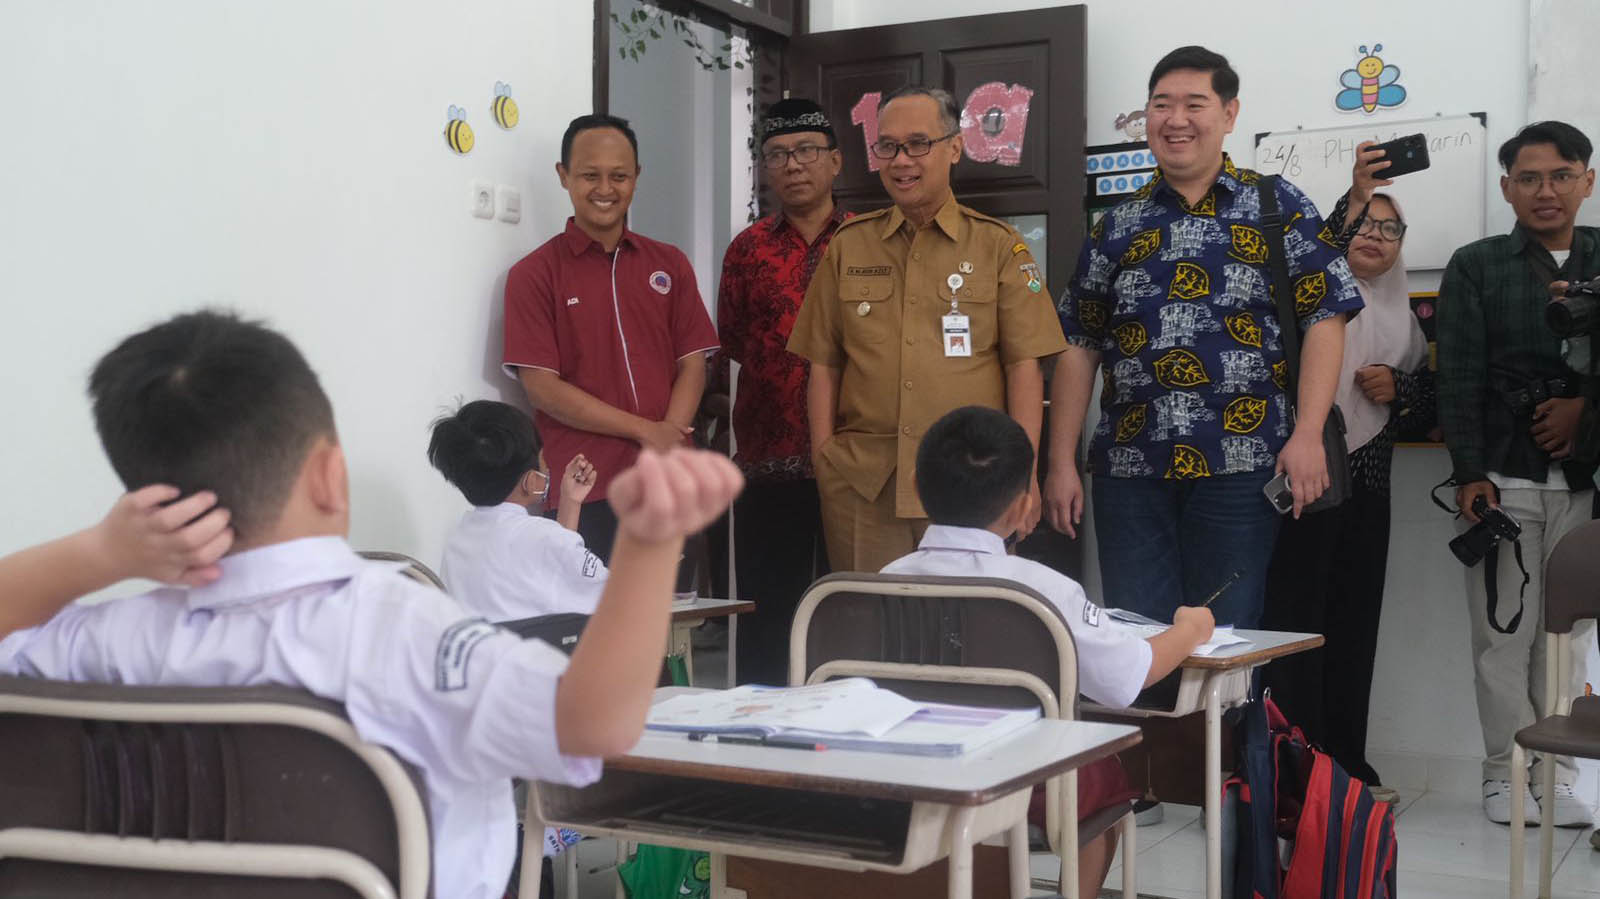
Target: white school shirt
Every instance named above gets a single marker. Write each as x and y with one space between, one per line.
1113 661
505 564
469 704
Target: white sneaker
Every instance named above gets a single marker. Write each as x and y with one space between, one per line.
1497 803
1569 810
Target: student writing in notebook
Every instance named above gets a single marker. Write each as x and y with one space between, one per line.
973 471
504 560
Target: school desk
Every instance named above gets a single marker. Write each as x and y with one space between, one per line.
851 811
687 616
1214 684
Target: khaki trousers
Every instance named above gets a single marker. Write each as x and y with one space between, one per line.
862 534
1508 669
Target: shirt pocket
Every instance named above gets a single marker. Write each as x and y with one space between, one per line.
977 299
868 312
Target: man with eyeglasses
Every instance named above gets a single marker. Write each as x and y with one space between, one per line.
777 520
1514 400
915 310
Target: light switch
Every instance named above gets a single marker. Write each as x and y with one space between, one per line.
510 201
480 202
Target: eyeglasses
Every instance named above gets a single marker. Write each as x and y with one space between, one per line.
805 154
1385 229
917 146
1562 182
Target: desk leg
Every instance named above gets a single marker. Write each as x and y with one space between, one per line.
1017 851
532 845
961 852
1213 801
733 649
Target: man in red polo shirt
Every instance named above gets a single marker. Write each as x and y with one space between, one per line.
777 522
604 327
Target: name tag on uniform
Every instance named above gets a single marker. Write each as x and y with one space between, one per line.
957 335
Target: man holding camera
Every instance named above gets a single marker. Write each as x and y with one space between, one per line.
1515 400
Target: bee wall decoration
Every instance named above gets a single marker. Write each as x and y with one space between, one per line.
1370 84
503 108
457 133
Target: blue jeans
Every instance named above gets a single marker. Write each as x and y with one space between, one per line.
1165 543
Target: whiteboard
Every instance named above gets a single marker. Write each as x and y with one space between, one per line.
1444 204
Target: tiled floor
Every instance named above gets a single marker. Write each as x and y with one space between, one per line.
1448 850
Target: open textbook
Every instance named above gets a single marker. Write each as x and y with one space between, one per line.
1221 638
852 713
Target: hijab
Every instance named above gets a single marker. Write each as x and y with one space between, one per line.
1385 333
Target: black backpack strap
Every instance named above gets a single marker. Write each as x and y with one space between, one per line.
1283 292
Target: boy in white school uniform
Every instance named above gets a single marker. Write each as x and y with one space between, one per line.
206 401
973 471
503 560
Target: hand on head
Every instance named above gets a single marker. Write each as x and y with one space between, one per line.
150 533
666 496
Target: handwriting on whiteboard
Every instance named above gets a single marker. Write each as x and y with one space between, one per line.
994 121
1290 157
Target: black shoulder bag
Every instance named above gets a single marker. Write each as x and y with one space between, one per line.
1333 442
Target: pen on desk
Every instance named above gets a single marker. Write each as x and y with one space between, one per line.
771 742
1222 589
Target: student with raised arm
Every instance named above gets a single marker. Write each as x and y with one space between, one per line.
466 702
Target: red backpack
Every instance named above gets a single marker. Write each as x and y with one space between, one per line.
1301 827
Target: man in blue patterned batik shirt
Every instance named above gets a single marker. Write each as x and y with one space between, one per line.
1171 302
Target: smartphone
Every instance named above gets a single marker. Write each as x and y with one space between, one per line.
1279 494
1405 155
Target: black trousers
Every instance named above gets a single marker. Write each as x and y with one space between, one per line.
1326 577
598 526
778 553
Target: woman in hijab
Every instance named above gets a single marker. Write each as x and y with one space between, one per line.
1327 571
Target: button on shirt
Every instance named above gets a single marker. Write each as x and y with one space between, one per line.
875 311
504 564
611 324
469 704
1113 661
1175 298
764 278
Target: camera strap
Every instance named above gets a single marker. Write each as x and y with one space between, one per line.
1491 588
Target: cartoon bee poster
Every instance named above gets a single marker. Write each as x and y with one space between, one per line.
457 133
503 108
1370 85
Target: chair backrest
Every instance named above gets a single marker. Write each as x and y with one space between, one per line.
1014 647
561 630
183 791
414 569
1572 579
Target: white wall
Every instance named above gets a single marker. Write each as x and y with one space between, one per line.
1289 56
285 159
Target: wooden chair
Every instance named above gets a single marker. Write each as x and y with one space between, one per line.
973 641
414 569
197 791
1571 726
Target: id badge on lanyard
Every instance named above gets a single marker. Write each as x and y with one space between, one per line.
957 327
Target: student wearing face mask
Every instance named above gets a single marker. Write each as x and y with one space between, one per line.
1327 570
504 560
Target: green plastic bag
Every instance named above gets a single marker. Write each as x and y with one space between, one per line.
656 872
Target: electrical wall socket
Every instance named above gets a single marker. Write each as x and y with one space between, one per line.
480 202
510 202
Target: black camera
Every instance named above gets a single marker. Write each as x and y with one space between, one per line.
1493 525
1578 312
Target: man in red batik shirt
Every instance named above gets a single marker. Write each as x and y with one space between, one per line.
777 523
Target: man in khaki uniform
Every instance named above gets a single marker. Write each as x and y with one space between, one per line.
915 310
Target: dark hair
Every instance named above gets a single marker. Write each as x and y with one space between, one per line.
591 122
484 449
1224 80
208 401
972 464
1569 142
949 111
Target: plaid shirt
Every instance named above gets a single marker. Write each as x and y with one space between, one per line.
1175 298
1491 318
